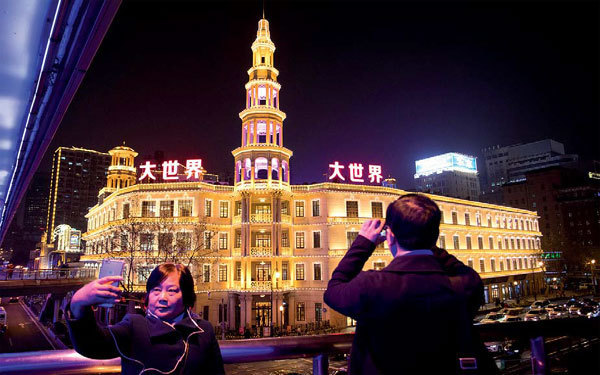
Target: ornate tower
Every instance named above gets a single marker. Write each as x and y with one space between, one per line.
262 161
121 172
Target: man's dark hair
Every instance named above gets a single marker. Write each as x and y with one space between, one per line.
186 281
415 221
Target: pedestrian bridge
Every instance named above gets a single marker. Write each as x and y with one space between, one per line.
14 283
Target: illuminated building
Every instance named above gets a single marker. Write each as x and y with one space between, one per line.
450 174
77 175
266 245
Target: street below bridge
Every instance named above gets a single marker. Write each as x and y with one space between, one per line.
24 332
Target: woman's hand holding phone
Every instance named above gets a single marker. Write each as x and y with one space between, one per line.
97 292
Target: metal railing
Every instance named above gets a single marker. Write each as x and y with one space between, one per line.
319 347
261 251
235 351
48 274
261 218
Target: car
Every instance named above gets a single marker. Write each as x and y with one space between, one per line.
572 302
512 318
3 324
574 309
590 302
552 306
540 303
13 300
536 314
558 312
588 311
493 317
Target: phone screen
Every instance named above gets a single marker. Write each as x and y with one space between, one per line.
111 267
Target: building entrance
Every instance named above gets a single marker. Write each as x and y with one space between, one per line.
262 314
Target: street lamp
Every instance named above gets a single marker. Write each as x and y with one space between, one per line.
281 317
592 262
515 283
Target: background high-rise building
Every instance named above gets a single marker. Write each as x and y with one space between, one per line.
511 163
450 174
77 176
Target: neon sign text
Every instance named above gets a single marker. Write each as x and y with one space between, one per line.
170 168
356 172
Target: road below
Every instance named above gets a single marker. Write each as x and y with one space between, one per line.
23 335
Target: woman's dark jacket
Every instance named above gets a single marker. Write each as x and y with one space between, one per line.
146 342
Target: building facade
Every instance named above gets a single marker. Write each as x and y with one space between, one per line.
263 250
77 176
451 174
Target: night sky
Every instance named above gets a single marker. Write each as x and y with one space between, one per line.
370 82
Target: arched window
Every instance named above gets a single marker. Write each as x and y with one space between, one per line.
247 168
262 95
285 171
261 131
238 171
261 168
274 168
278 135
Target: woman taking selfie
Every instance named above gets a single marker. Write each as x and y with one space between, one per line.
170 339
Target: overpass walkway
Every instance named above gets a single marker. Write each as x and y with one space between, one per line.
14 283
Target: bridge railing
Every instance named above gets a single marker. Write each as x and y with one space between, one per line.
47 274
319 347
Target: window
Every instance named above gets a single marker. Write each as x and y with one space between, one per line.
469 247
514 263
378 265
478 219
520 263
284 271
222 272
317 271
208 208
318 311
499 244
223 209
470 263
238 208
222 241
207 236
506 243
124 241
441 217
300 271
238 239
512 243
166 208
238 271
205 312
377 209
165 242
316 208
481 265
300 313
456 242
501 265
352 208
299 240
263 271
146 241
442 241
467 219
206 273
454 217
285 239
300 209
185 208
317 240
222 312
507 264
285 207
148 209
480 242
126 211
489 220
493 264
350 237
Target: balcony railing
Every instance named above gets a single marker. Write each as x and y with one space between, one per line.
319 347
286 251
261 251
261 218
260 285
286 219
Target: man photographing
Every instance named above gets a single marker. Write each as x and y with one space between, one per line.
409 315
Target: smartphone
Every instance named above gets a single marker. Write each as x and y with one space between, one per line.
383 233
111 267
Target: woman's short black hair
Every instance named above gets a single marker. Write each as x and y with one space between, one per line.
186 281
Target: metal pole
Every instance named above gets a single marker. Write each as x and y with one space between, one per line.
321 364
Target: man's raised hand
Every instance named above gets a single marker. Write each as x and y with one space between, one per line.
371 230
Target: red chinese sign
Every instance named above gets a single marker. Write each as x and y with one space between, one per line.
170 168
356 173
